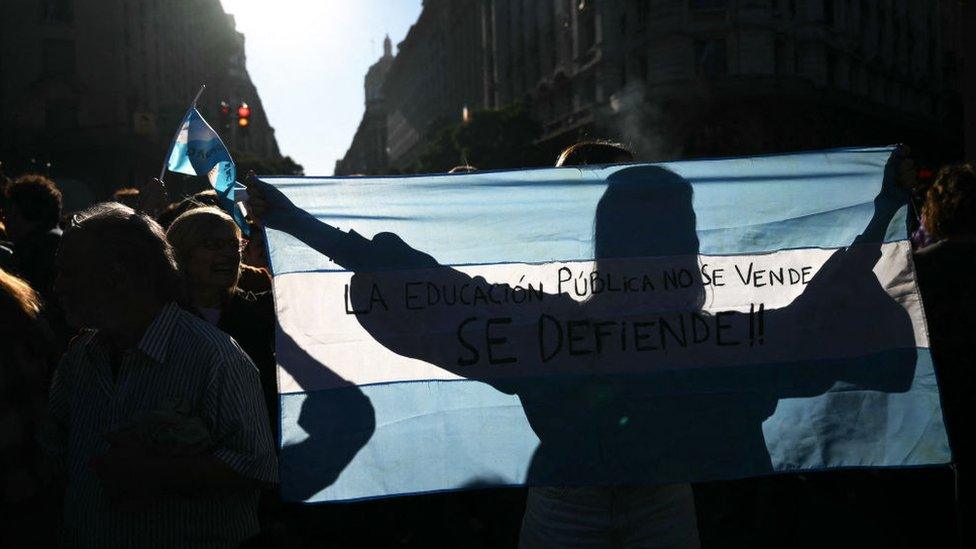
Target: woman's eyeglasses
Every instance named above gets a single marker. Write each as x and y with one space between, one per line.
218 244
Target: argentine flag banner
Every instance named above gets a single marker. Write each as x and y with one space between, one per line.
198 150
637 323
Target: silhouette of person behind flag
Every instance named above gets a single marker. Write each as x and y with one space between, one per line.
623 416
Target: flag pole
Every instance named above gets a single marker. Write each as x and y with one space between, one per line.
197 96
193 105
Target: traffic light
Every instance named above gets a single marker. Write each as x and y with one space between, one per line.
225 115
243 115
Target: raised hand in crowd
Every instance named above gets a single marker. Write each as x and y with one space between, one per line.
257 202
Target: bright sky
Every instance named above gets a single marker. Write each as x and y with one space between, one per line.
308 59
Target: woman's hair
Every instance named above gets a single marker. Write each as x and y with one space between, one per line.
18 301
950 203
134 241
189 229
594 152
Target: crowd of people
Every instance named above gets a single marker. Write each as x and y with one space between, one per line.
139 406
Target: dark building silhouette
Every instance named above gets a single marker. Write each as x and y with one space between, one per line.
685 78
368 150
91 92
437 71
740 77
966 42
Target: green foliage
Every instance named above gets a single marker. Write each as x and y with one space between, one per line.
491 140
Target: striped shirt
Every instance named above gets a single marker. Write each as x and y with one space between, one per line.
180 359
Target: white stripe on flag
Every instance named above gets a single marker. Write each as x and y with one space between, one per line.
314 315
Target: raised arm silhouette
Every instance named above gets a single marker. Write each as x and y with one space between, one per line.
617 414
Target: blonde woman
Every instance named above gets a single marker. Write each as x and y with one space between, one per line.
28 499
208 247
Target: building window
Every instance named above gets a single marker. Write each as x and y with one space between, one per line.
60 115
535 55
831 70
586 23
642 68
564 99
708 4
882 27
551 41
828 13
711 58
782 8
896 37
910 43
57 11
587 92
59 58
643 13
781 59
856 71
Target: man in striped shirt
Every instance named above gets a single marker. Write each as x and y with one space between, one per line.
158 416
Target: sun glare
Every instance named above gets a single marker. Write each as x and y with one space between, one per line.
300 52
292 20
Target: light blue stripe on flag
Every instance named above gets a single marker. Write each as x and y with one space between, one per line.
406 454
794 201
796 342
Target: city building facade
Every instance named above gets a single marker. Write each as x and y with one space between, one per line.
686 78
719 77
966 42
368 151
437 72
92 92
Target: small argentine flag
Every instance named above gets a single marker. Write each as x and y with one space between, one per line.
198 150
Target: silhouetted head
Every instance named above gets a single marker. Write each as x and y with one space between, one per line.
112 260
32 203
588 153
647 212
128 196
